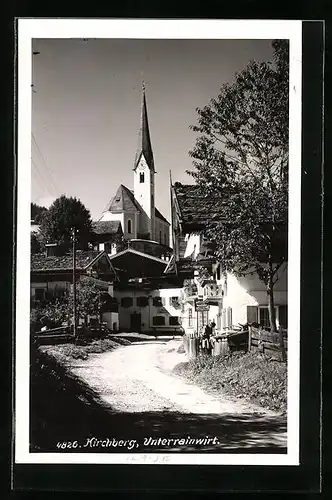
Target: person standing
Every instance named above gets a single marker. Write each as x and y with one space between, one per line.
206 343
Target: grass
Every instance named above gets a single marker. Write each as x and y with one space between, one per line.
250 376
65 352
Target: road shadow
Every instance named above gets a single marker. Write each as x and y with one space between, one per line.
64 408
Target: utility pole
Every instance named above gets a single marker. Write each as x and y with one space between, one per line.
74 283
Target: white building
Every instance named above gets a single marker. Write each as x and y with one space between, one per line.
135 209
218 295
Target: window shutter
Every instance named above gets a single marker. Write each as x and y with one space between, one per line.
252 314
283 316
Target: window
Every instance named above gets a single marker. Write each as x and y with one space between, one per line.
129 226
158 301
126 302
160 236
158 320
59 291
39 293
141 177
174 302
190 317
263 316
283 316
165 240
142 301
173 320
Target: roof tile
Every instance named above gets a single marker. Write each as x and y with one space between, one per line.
123 201
106 227
40 262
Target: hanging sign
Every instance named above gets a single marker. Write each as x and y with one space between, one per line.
201 306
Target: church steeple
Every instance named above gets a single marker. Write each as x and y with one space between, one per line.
144 141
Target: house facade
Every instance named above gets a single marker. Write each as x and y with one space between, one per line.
52 276
150 310
213 293
148 298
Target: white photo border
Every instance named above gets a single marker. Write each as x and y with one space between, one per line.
29 29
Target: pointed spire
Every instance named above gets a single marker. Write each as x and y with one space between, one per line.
144 141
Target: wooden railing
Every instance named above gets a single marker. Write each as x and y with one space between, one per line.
252 339
272 344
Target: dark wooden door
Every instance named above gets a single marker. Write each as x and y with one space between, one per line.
135 322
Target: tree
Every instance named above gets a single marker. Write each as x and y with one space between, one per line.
240 164
37 212
36 243
63 215
91 299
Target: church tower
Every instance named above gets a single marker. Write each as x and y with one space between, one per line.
144 172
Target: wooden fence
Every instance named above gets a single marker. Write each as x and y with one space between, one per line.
60 335
272 344
65 334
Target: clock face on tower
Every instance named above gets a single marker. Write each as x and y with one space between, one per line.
142 165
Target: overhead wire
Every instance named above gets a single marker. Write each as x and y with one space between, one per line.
42 159
40 178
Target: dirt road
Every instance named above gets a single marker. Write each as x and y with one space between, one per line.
138 378
139 398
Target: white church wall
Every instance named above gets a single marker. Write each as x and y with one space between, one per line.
144 194
162 232
108 216
129 216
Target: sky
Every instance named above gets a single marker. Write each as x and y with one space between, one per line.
86 106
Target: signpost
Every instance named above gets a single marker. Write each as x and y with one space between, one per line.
201 306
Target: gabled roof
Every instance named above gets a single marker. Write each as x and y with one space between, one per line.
84 259
160 216
144 141
194 210
131 251
131 263
123 201
106 227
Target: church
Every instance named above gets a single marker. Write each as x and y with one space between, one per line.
135 209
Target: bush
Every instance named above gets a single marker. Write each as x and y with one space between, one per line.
244 375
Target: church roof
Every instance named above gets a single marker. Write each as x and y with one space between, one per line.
123 201
106 227
159 215
144 141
